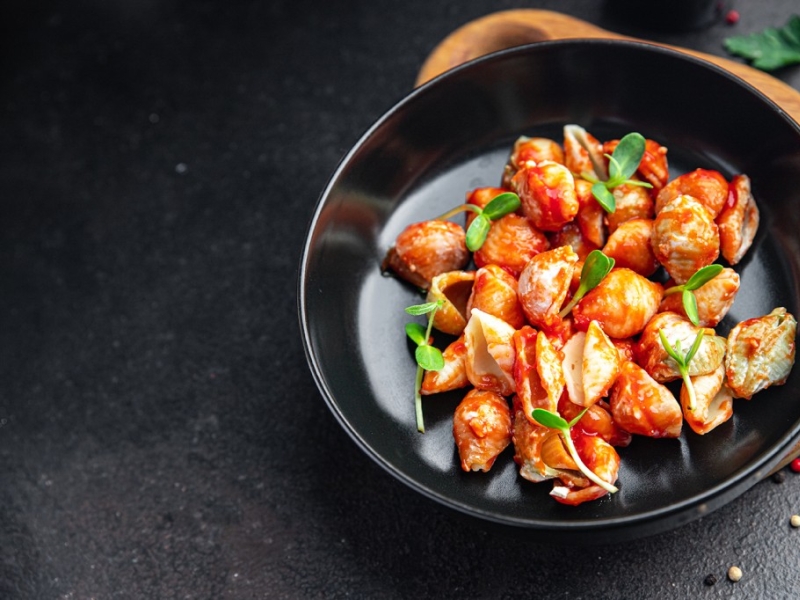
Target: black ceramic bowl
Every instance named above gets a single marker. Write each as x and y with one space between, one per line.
454 134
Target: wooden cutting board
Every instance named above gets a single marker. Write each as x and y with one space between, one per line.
507 29
511 28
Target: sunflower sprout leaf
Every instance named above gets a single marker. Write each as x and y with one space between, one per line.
422 309
416 332
702 276
550 419
477 232
690 306
695 347
429 357
604 197
628 154
501 205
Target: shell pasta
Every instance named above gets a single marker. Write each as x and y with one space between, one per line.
585 314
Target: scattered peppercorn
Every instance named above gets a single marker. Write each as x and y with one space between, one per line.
795 465
732 17
795 520
779 476
734 574
710 579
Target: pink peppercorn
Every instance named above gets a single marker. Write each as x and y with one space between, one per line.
732 17
795 465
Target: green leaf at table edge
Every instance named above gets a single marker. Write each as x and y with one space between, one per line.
771 48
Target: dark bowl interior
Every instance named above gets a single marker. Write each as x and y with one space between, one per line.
454 134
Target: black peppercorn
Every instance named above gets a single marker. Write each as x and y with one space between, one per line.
710 579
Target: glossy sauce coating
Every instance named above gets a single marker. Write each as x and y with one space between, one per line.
642 406
424 250
482 429
622 304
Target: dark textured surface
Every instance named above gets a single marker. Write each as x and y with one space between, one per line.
161 434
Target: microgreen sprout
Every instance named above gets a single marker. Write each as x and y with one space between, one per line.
701 277
622 164
429 358
596 266
499 206
555 421
682 361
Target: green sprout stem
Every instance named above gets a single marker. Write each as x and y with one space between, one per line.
696 281
687 381
460 208
682 362
418 399
622 164
555 421
499 206
428 358
596 266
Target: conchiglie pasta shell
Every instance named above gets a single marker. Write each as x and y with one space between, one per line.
544 284
555 454
760 352
642 406
481 429
530 391
453 375
495 292
490 353
654 359
714 402
453 289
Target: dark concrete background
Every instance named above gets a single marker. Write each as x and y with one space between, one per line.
160 433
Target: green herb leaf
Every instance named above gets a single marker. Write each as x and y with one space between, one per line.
502 205
690 306
604 197
627 156
702 276
577 418
673 352
477 232
429 357
417 333
622 164
771 48
423 309
550 419
683 360
499 206
695 347
614 172
555 421
595 268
